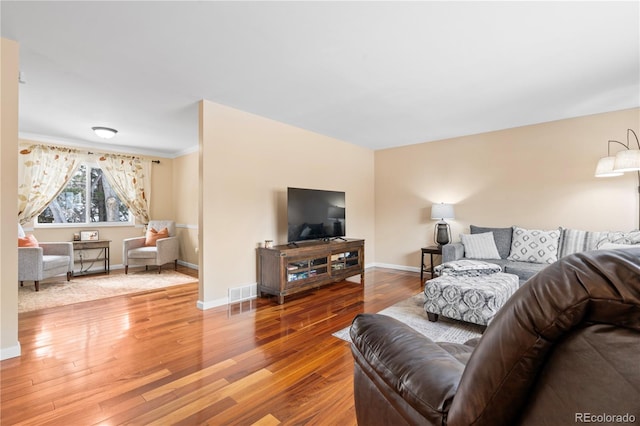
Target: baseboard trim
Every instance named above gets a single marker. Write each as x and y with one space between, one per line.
188 265
203 306
10 352
397 267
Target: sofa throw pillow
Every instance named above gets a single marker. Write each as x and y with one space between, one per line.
534 245
614 246
502 237
28 241
632 237
153 236
575 241
467 268
480 246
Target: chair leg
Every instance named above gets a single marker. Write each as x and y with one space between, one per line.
432 317
175 265
126 269
21 283
37 283
68 276
159 268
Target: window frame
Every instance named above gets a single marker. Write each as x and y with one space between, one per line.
88 165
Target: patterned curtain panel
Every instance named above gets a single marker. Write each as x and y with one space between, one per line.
130 178
43 171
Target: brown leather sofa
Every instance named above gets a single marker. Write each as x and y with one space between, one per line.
563 350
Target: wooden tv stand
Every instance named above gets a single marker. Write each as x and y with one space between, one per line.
288 269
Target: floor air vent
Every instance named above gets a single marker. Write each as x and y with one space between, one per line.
242 293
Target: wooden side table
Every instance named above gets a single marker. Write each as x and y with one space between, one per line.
98 251
431 250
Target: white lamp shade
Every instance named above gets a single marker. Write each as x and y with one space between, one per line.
605 167
627 161
442 211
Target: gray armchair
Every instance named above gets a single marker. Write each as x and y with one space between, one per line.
45 261
135 253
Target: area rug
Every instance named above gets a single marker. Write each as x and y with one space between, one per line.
411 312
86 288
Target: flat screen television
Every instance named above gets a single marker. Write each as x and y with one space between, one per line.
315 214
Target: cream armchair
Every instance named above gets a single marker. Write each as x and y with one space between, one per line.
45 261
136 253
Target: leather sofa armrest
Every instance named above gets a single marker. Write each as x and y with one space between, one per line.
403 365
473 342
452 251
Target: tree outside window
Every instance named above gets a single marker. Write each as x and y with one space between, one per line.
87 198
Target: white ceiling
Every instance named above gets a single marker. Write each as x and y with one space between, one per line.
376 74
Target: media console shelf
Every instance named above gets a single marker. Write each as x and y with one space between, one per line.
286 269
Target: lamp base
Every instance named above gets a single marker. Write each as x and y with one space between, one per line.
442 233
337 228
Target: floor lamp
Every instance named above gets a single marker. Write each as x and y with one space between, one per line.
442 232
627 160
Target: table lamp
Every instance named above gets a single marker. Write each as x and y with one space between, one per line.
441 212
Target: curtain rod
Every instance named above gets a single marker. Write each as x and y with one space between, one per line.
153 161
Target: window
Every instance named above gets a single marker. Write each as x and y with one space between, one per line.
87 198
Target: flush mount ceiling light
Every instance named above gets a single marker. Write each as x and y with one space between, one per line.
104 132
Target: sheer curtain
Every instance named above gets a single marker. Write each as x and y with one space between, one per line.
130 178
43 171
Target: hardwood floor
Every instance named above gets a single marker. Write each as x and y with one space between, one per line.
154 358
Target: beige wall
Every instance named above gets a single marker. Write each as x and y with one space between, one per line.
9 345
539 176
247 164
185 201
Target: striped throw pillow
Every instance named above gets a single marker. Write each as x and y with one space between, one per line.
480 246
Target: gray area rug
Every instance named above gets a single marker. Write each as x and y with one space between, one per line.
411 312
58 292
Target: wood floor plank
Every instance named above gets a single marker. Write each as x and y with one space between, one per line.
154 357
186 380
